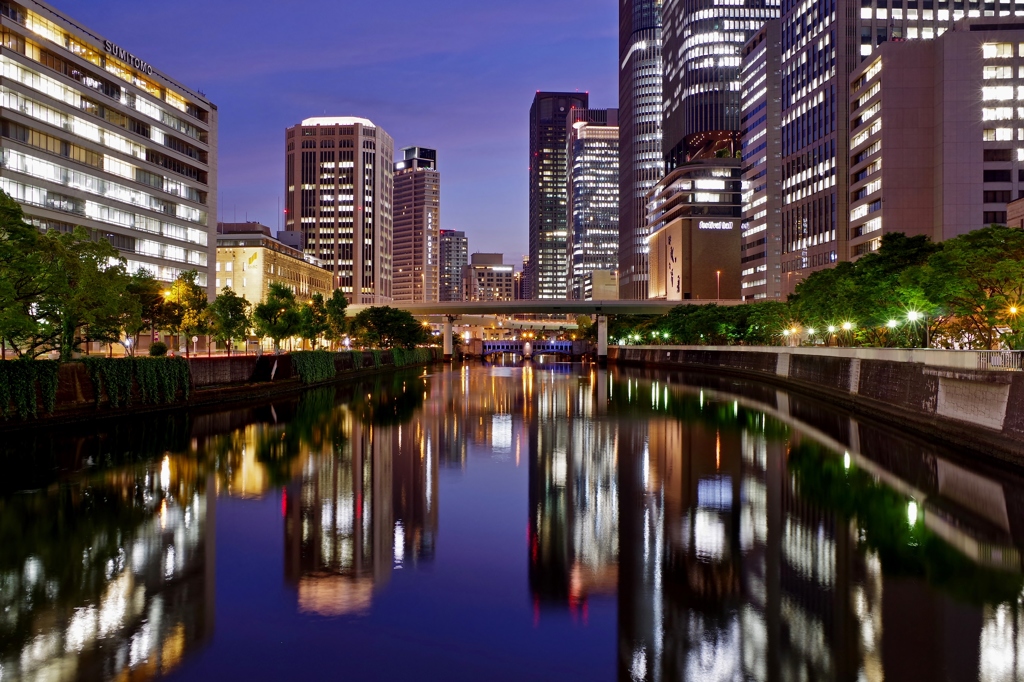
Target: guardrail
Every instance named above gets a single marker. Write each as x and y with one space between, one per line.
999 360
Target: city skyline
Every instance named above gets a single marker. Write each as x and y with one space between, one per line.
471 61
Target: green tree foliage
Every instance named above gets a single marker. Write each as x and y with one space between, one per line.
975 282
337 324
867 293
277 317
315 322
20 281
386 327
144 310
186 306
228 317
314 366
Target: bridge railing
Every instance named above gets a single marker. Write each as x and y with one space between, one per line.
1000 360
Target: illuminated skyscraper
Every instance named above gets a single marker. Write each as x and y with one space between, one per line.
417 218
338 182
549 230
454 257
640 153
703 42
593 194
94 136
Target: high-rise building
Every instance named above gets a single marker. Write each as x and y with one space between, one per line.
640 153
820 49
417 224
694 214
526 281
928 155
338 193
549 230
592 154
454 257
488 278
703 41
95 136
762 175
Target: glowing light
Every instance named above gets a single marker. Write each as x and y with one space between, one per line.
912 513
811 331
891 324
914 316
1013 310
785 332
846 460
831 329
847 326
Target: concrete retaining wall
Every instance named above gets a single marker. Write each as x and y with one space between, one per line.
971 407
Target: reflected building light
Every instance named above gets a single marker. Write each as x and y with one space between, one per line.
709 536
1002 644
810 553
715 493
399 549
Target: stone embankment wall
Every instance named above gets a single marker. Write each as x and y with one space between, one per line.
937 393
213 380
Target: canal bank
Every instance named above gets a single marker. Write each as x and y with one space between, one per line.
115 388
972 399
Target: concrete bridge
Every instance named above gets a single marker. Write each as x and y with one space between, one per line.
453 310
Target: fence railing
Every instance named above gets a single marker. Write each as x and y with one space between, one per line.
1004 360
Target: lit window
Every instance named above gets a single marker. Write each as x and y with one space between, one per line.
999 92
989 135
997 114
1003 134
865 50
990 72
997 50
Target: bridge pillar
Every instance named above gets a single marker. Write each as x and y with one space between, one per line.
447 333
602 339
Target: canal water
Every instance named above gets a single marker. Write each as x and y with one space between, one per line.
538 522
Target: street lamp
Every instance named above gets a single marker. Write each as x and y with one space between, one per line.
914 316
891 324
718 285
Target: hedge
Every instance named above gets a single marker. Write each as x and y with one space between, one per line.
18 381
158 379
314 366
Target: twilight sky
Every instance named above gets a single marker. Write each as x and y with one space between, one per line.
455 75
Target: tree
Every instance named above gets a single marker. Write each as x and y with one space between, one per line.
228 317
386 327
277 317
21 282
314 319
84 295
976 282
147 311
337 324
188 301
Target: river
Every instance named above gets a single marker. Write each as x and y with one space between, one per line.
508 522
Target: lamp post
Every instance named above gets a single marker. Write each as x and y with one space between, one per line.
718 285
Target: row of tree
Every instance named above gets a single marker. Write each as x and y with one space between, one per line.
60 290
966 292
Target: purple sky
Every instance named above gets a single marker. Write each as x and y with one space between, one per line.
456 75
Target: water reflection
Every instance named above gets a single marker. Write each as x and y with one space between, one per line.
743 533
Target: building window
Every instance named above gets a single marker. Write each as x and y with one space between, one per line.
995 217
997 176
998 155
1001 196
997 50
997 114
990 72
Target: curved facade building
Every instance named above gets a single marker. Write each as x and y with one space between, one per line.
640 142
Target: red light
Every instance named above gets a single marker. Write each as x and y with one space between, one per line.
359 504
284 503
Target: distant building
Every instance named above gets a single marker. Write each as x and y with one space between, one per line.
454 257
338 193
488 278
935 143
694 214
601 285
640 135
549 229
249 260
417 224
762 174
592 155
96 137
526 281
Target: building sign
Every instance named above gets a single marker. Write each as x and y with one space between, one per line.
126 56
714 225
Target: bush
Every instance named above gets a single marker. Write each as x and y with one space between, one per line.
158 348
314 366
